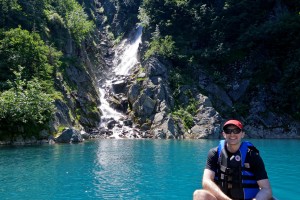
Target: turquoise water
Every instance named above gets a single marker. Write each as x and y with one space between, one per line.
130 169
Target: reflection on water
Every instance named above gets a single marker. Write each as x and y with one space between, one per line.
163 169
116 164
146 169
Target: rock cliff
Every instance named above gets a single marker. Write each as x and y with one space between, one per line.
149 100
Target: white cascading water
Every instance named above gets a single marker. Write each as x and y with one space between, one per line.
107 111
128 58
125 59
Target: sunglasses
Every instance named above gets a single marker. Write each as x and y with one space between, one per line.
234 131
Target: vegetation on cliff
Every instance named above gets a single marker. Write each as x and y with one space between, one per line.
36 39
222 37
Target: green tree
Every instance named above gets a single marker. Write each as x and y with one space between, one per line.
21 48
24 105
78 23
8 8
161 46
33 13
75 18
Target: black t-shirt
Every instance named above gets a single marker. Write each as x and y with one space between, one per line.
253 161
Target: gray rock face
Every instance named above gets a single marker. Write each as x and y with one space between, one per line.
144 106
264 123
238 89
207 120
80 92
151 101
217 94
69 136
119 86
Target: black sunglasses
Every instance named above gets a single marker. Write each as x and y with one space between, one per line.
234 131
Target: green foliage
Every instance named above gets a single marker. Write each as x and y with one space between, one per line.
71 15
187 112
118 39
178 78
33 10
28 64
290 84
161 46
222 37
54 17
143 17
8 7
185 117
46 17
193 106
30 33
21 48
25 104
78 23
280 60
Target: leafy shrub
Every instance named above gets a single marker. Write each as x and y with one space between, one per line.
185 116
25 103
78 23
21 48
161 46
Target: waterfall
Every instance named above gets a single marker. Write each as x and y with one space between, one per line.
128 58
107 111
125 59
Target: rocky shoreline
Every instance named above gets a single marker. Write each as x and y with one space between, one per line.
73 136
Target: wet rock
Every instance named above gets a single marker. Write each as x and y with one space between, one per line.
110 124
128 122
69 136
159 134
119 86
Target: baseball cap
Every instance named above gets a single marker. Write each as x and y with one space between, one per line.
233 122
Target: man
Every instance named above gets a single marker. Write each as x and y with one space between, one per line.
234 170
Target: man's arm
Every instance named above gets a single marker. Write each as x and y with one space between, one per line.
209 185
265 190
261 174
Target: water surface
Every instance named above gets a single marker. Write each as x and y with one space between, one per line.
130 169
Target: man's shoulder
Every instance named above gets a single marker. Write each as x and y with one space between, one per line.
213 151
253 154
252 150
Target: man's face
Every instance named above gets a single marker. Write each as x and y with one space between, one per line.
233 135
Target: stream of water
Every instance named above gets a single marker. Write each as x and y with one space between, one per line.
125 59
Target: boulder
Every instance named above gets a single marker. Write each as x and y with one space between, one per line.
69 136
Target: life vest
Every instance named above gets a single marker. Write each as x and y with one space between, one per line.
232 176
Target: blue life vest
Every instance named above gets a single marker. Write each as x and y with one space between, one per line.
233 177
